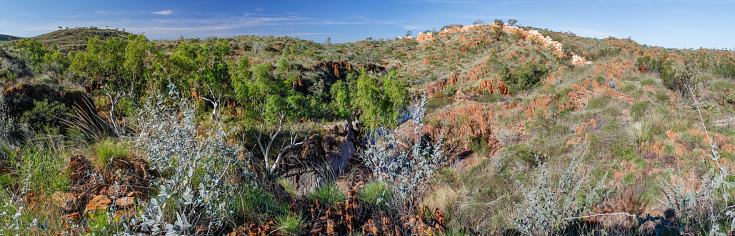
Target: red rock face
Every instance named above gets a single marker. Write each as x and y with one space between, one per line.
528 35
344 218
94 189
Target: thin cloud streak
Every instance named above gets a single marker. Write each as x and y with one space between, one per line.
164 13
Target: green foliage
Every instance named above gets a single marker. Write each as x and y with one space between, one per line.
34 162
137 63
103 223
240 79
725 69
692 140
101 59
328 194
109 149
652 65
650 82
682 79
599 102
628 87
449 90
36 49
523 78
640 109
290 224
45 116
379 101
256 204
376 194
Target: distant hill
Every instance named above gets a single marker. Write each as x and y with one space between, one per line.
76 38
5 37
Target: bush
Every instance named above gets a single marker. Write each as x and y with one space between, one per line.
691 140
409 171
45 116
550 203
35 161
376 194
628 87
193 190
682 79
639 109
650 82
290 225
328 194
109 149
449 90
523 78
725 69
37 169
256 204
599 102
651 65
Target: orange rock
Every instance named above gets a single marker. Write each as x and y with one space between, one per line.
66 201
72 217
125 202
99 202
330 227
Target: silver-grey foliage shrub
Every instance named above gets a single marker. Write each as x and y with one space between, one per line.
409 171
194 188
703 208
549 204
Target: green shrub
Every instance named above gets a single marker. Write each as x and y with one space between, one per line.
599 102
491 98
510 120
289 186
652 65
328 194
648 82
682 79
256 204
725 69
449 90
290 224
35 162
109 149
45 116
628 87
692 141
523 78
375 194
639 109
479 146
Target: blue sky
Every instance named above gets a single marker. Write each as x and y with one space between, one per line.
672 24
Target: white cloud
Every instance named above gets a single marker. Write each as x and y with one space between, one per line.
165 13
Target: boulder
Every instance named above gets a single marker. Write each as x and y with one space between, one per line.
99 202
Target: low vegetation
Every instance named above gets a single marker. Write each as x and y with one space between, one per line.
482 130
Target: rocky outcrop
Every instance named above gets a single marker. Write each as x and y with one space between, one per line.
460 127
322 158
125 180
437 89
20 98
528 35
